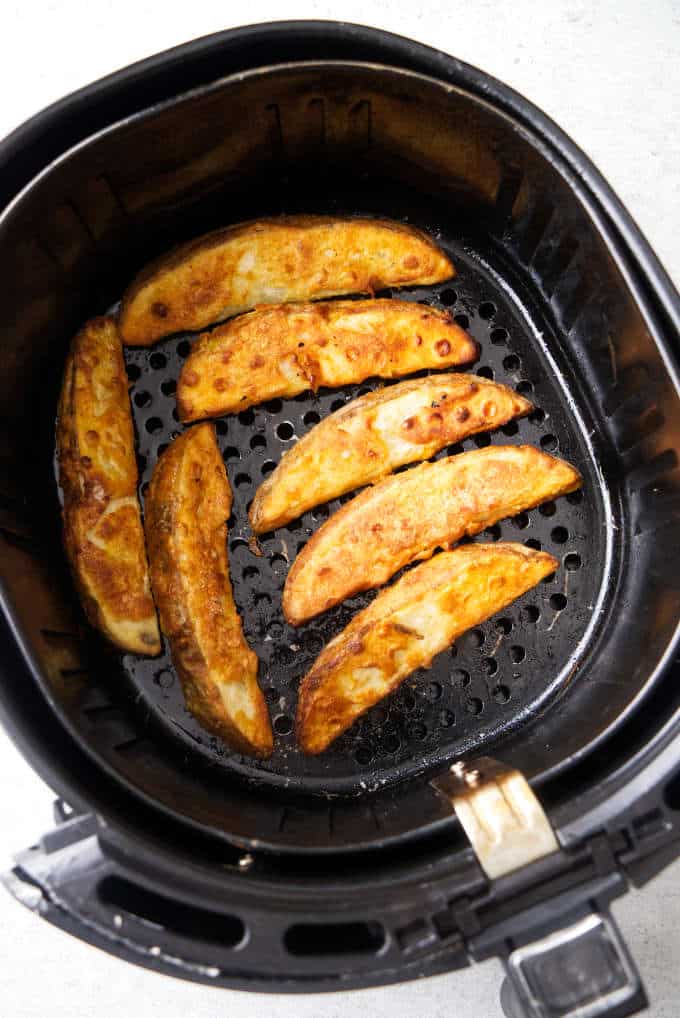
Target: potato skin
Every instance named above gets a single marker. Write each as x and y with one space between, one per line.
405 627
373 435
409 515
289 348
187 506
271 261
103 535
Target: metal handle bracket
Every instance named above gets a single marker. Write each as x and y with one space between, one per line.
500 814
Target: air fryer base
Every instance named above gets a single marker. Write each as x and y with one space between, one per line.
416 901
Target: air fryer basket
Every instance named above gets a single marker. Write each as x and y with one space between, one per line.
571 685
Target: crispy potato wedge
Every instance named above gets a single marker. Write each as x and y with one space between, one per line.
373 435
286 349
271 261
103 534
405 627
409 515
187 506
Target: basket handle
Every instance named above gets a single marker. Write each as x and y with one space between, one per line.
564 958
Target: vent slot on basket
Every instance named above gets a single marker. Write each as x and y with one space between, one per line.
309 939
166 914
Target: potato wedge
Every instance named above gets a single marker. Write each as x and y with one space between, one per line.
405 627
286 349
373 435
271 261
409 515
187 506
103 534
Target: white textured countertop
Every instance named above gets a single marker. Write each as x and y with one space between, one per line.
609 74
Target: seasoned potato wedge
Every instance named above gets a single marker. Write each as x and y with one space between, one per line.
405 627
270 261
103 533
286 349
373 435
409 515
187 506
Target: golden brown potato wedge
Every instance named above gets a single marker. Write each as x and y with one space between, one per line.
405 627
103 533
270 261
373 435
187 506
284 350
409 515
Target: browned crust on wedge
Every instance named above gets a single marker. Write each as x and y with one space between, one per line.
287 349
409 515
187 506
269 261
373 435
405 627
103 534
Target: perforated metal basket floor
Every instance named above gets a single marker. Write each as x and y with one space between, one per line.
495 675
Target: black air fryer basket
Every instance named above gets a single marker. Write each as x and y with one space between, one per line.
350 869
